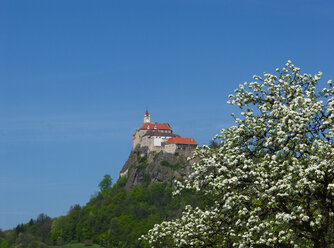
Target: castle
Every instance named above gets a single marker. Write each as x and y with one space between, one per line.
160 137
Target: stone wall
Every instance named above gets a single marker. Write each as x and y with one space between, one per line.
170 148
157 143
137 138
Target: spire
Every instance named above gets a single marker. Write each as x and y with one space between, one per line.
147 117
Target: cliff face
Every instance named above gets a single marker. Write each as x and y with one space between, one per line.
147 167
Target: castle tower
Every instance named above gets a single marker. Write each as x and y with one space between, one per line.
147 117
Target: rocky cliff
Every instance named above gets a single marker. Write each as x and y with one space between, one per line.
147 167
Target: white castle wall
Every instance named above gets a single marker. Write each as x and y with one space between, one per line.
152 142
159 139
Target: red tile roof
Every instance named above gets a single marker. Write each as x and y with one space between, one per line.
179 140
161 126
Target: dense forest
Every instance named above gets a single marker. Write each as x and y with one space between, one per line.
113 217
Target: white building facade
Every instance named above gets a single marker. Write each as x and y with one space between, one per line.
156 136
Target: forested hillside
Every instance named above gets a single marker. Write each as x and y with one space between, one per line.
116 216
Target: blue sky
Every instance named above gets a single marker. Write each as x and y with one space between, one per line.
76 77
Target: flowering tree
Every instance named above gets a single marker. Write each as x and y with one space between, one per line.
271 181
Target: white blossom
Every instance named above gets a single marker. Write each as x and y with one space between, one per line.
271 181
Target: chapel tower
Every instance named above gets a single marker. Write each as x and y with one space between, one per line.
147 117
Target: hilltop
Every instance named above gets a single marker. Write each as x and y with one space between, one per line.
157 155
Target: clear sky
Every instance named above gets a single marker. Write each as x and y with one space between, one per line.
76 77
